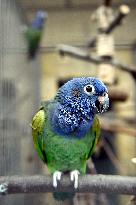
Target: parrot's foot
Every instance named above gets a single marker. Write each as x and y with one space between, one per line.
56 177
74 177
3 188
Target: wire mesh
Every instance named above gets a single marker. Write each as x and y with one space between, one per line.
19 96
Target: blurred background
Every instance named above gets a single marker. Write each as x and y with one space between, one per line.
32 69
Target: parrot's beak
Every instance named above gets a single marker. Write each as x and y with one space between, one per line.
102 103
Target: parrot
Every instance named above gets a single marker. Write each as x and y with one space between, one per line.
33 33
66 129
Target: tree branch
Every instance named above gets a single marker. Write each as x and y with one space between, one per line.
132 201
84 55
88 183
117 126
123 11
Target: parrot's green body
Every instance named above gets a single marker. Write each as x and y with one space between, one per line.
64 154
33 37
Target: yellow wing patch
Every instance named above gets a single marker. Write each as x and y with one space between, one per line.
38 132
95 132
96 128
38 121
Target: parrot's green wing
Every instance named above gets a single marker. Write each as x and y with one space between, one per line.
95 134
38 133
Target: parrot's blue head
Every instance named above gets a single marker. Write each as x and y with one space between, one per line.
88 91
39 20
78 101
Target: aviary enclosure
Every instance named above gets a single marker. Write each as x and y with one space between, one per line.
26 80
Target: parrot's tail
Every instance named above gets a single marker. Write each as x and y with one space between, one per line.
62 196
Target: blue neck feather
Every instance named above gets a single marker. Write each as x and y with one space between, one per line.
73 118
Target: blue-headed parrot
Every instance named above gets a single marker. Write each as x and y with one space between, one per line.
34 32
66 129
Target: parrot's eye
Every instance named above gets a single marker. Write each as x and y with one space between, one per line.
89 89
105 94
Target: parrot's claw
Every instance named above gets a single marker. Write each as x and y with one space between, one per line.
56 177
3 188
74 177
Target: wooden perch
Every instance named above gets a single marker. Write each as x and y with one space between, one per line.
123 11
131 69
88 183
77 53
84 55
117 94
